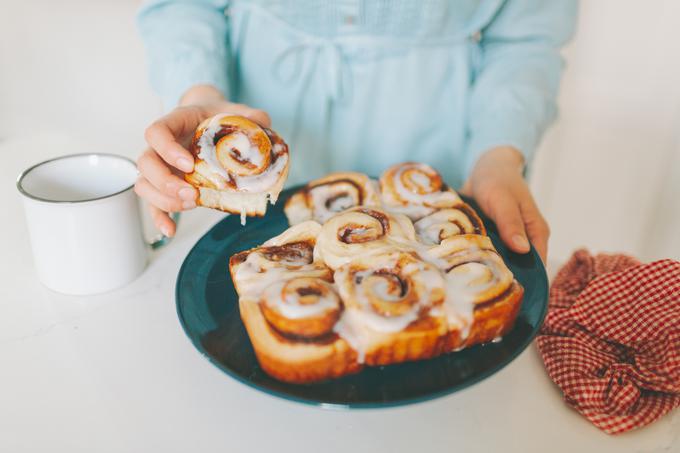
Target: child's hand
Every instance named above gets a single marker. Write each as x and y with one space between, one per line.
498 187
162 165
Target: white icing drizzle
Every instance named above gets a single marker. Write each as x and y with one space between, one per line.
412 211
207 152
263 181
360 325
257 273
350 329
252 183
434 227
290 306
421 178
322 193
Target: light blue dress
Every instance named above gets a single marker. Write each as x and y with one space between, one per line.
362 84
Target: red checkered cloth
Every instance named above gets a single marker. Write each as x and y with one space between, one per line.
611 339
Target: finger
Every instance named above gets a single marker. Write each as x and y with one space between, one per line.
162 136
536 226
156 171
504 209
259 116
163 221
147 191
466 188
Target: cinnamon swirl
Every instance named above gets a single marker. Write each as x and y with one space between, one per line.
392 308
239 167
302 307
415 190
362 232
482 296
285 256
442 224
323 198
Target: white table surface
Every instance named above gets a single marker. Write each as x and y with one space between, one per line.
115 373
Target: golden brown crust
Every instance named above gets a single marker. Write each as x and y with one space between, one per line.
496 319
340 364
491 320
296 361
422 339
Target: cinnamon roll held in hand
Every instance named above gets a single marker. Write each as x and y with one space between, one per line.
415 189
442 224
360 232
392 308
239 167
323 198
483 297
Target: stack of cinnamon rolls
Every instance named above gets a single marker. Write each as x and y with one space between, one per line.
372 273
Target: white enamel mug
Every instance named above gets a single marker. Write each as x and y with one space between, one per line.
84 222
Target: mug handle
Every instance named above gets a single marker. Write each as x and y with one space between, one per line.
162 239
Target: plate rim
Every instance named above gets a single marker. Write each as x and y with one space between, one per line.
360 405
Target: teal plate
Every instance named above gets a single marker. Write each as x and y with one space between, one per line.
207 306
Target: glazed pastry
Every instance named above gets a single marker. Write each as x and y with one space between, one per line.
291 329
393 308
415 190
285 256
323 198
442 224
289 308
362 232
302 307
239 167
369 287
482 296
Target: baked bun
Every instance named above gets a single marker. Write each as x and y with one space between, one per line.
290 308
323 198
292 359
362 232
239 166
285 256
368 285
415 190
393 308
483 297
448 222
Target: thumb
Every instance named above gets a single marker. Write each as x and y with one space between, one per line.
505 211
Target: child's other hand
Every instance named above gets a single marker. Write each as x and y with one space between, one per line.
162 165
496 183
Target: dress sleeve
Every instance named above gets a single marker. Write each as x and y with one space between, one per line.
515 83
186 45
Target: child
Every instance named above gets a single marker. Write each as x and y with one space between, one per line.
466 86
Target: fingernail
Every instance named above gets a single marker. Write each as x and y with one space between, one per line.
185 164
188 205
165 230
520 242
187 193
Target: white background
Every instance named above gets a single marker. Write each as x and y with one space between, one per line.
73 78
